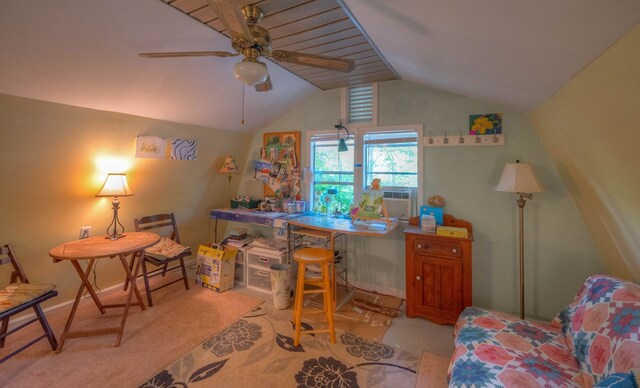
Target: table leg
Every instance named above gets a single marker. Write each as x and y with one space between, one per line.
131 277
84 276
85 283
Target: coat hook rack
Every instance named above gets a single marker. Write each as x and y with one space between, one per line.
463 140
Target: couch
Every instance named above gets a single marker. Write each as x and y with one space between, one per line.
596 336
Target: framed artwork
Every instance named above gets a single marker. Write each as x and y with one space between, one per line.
282 149
485 124
183 149
150 147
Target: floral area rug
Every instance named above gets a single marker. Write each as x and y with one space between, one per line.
258 351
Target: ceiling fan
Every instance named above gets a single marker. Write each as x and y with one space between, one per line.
252 41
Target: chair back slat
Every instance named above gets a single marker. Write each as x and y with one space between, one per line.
158 222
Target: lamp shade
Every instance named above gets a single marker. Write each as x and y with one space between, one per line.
342 146
115 185
229 166
519 178
250 72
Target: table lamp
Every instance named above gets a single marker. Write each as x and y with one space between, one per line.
115 186
519 178
229 167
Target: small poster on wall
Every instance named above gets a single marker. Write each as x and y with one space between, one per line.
485 124
151 147
183 149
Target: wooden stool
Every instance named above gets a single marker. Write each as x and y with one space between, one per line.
324 258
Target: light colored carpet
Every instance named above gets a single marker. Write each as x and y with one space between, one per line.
258 351
178 321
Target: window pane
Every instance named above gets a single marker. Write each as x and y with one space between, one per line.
392 157
333 177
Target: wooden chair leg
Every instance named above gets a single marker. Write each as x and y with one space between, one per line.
297 311
164 269
3 331
45 326
328 301
146 281
184 273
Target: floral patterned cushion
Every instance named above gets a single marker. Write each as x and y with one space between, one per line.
492 349
602 327
166 247
16 294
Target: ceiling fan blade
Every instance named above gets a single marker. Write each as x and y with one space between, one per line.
337 64
230 15
265 86
175 54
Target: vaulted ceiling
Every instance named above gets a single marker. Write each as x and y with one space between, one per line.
85 52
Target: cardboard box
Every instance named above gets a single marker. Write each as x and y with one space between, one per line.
216 268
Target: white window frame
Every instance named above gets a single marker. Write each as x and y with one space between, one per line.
357 133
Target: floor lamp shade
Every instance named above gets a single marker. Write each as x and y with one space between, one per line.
115 186
519 178
229 166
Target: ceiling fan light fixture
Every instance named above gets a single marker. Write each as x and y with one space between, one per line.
250 72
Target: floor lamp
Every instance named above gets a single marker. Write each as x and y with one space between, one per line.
519 178
229 167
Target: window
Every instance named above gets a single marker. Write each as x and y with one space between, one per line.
332 186
360 104
393 157
338 179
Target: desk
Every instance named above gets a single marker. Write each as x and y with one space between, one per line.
90 249
331 227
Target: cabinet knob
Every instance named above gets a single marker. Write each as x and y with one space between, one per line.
454 250
419 246
418 278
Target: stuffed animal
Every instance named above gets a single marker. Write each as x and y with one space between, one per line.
436 201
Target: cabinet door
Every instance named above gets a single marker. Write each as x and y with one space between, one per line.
438 287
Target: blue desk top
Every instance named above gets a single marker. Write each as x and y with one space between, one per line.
256 217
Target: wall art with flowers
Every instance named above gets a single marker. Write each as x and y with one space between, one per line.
485 124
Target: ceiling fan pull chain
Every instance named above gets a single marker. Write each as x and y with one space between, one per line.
242 122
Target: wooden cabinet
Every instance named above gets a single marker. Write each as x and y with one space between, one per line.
438 272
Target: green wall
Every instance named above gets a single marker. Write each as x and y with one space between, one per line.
559 251
50 173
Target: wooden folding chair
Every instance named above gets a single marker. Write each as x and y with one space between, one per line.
19 296
163 253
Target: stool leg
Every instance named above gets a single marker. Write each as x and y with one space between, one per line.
297 310
328 300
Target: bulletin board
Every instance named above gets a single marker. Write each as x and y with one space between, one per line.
282 149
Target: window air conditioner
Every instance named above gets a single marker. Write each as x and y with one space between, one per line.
399 203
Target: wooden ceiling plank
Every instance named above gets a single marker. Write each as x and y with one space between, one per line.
271 7
335 46
188 6
321 39
345 51
311 33
300 12
308 22
204 15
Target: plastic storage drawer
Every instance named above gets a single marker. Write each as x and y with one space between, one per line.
262 259
259 279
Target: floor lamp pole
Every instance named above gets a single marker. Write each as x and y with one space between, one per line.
522 201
